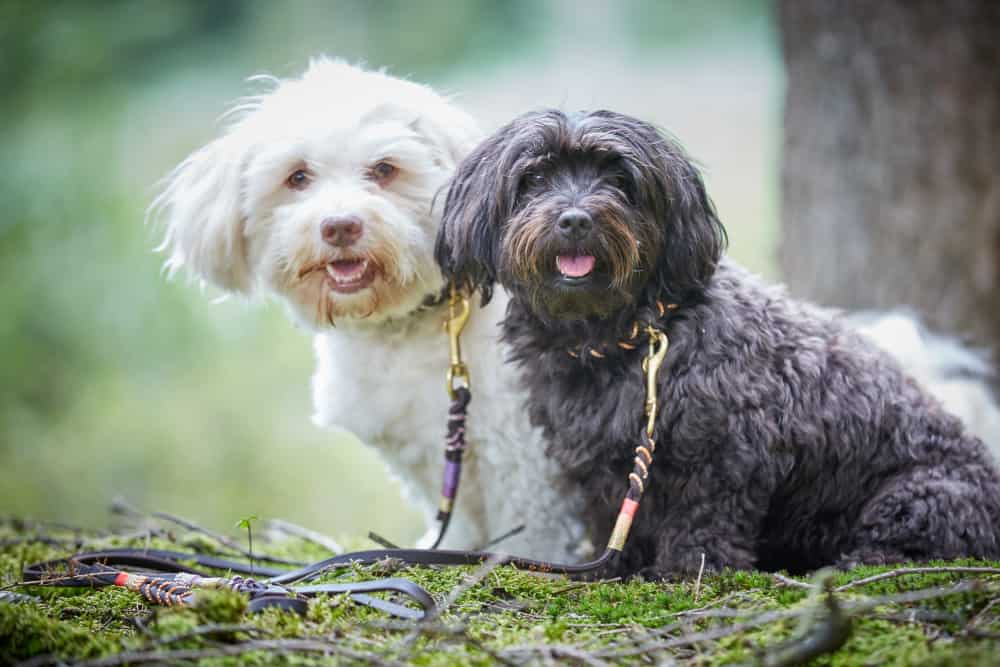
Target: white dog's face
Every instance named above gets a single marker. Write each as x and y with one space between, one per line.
321 193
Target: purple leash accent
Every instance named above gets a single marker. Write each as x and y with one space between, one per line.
452 475
453 451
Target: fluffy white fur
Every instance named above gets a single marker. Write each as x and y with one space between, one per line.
233 218
957 376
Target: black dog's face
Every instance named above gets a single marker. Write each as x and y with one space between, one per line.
579 216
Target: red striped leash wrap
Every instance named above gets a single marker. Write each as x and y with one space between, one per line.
178 589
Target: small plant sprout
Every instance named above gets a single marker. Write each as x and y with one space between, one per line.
246 522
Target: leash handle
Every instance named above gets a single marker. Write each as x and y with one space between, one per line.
166 582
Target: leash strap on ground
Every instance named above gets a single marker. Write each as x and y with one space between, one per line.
168 578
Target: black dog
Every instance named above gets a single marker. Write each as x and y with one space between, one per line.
785 441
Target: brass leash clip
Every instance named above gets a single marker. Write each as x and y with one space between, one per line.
658 344
458 315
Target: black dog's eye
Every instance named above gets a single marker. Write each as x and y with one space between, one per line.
620 181
532 179
298 179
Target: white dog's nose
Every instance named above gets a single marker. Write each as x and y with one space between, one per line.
341 232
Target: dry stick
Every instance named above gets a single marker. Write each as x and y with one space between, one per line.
966 586
473 580
916 570
120 506
504 536
22 524
295 530
584 584
59 579
565 651
707 611
269 645
770 617
818 635
493 653
975 620
697 583
213 629
708 635
41 660
795 583
381 541
470 582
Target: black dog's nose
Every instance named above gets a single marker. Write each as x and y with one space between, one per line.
575 224
341 232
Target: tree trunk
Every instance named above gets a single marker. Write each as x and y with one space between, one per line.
891 175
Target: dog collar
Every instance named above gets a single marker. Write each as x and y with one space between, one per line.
629 342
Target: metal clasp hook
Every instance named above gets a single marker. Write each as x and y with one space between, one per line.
458 315
658 344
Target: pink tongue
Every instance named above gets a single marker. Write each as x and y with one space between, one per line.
575 266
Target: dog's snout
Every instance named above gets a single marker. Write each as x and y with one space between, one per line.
575 224
341 232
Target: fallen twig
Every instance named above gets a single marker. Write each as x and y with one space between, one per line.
697 583
505 536
307 534
794 583
213 629
916 570
820 633
553 651
120 506
266 645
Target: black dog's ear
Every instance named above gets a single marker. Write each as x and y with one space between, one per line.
694 238
671 191
477 205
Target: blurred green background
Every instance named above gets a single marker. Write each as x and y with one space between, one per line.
116 381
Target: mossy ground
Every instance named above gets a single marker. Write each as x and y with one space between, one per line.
509 616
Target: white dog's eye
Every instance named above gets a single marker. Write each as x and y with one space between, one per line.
383 172
299 179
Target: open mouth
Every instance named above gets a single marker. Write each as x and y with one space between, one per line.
575 267
349 275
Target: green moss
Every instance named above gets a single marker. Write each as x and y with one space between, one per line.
507 608
221 606
27 630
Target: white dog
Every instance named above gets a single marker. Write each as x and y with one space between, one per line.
320 192
958 376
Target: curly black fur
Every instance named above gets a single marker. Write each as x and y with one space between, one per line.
784 440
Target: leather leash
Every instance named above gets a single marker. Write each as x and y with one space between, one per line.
168 579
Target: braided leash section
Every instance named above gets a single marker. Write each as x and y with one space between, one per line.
658 344
161 590
454 450
177 589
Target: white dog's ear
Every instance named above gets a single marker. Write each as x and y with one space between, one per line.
451 129
201 211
